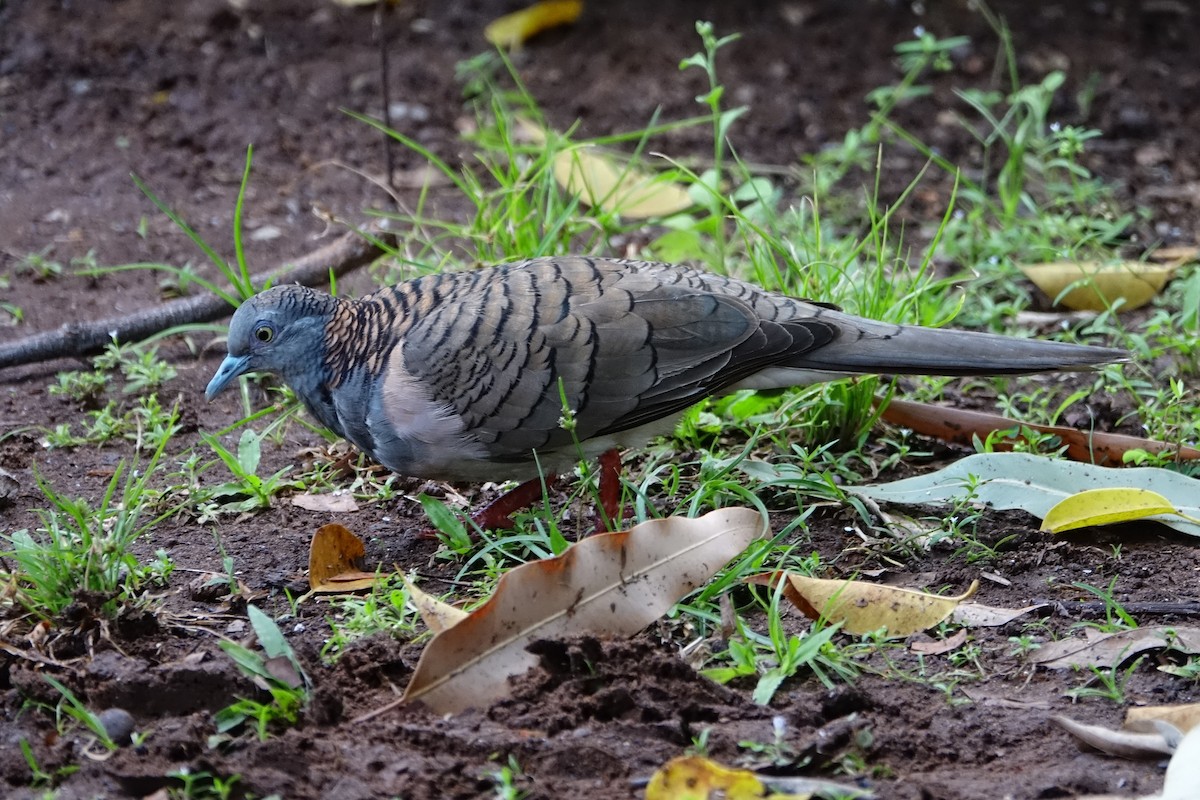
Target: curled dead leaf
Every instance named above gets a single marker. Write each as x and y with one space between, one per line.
333 561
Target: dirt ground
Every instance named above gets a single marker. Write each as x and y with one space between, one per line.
174 92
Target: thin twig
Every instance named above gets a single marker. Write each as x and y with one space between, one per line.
348 252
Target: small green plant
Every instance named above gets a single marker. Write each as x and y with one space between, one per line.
1023 645
70 707
778 752
1106 683
504 781
247 492
1116 618
288 697
39 778
85 549
783 655
40 265
141 367
385 609
203 785
82 387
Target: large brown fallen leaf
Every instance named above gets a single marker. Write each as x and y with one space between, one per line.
608 584
864 607
960 426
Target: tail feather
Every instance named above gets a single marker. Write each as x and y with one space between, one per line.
869 347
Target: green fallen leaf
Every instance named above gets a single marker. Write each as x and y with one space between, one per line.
1105 507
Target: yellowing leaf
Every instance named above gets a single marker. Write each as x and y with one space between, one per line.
604 180
696 778
1104 507
1096 286
607 584
600 180
864 607
513 30
438 616
333 559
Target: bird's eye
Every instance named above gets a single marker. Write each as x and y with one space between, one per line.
264 333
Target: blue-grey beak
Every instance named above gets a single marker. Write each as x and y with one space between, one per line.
230 368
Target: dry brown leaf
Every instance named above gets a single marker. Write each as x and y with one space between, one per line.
607 584
960 425
332 502
438 616
333 558
1096 286
1110 650
865 607
1184 717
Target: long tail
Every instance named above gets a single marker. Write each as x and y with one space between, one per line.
867 346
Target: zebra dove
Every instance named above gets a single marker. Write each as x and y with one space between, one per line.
463 375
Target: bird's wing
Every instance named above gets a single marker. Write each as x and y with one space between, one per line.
629 346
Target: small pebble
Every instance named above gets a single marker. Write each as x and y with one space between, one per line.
118 724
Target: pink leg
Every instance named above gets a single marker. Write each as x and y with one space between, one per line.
610 490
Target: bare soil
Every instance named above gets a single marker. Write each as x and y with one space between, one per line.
174 92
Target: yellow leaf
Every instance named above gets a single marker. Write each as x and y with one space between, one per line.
438 616
864 607
332 561
600 180
604 180
1096 286
513 30
1104 507
696 778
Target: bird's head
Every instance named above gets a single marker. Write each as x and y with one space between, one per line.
281 330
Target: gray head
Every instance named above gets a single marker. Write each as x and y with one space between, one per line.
281 330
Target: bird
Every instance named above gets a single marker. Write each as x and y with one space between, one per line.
469 375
